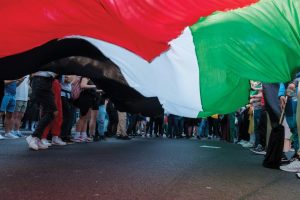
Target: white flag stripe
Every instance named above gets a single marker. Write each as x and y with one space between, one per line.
173 77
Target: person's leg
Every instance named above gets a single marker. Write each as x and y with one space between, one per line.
56 129
131 127
9 121
156 126
18 115
121 130
43 96
19 118
81 127
210 127
295 128
257 116
92 122
67 119
170 126
101 122
160 122
176 126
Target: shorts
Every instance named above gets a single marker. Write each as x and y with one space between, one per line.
21 106
84 103
8 103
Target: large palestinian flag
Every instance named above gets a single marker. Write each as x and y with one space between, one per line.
148 54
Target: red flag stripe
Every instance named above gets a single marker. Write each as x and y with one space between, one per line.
144 27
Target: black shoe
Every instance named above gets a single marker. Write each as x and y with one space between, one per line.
125 137
67 140
96 138
284 159
102 137
119 137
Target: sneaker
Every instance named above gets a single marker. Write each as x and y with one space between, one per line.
85 138
259 150
248 145
46 142
241 142
96 138
18 133
67 140
57 141
40 144
298 175
1 137
88 139
77 138
292 167
32 142
10 135
125 137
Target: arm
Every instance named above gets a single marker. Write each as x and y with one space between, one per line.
6 82
84 84
281 91
19 81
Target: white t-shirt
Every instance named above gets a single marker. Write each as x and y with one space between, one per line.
22 90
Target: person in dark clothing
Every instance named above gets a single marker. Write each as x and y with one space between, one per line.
68 109
113 119
43 96
158 125
131 129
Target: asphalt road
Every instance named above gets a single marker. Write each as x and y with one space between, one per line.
142 168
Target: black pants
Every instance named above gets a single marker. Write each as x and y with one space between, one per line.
149 126
43 96
68 112
158 125
133 119
213 127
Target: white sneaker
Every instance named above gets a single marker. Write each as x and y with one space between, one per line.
248 145
46 142
77 137
1 137
10 135
57 141
85 138
40 144
292 167
32 142
242 142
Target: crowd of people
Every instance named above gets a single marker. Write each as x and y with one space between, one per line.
67 109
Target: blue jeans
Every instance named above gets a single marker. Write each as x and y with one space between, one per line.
291 108
202 129
8 103
101 120
257 117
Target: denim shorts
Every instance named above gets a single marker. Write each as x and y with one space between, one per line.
8 103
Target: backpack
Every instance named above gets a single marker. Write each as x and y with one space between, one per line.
76 89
